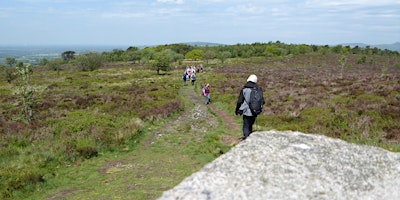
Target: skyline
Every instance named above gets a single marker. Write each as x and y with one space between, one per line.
138 23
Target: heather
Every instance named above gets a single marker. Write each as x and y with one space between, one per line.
124 115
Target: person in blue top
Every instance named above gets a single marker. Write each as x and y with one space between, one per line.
184 78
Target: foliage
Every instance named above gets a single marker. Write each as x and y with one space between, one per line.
11 61
224 55
195 54
25 91
89 61
78 116
208 55
82 117
68 55
133 55
223 52
162 60
55 64
342 62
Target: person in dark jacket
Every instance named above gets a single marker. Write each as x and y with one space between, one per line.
242 106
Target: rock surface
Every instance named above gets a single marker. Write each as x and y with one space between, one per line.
293 165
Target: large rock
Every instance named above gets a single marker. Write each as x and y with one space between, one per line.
293 165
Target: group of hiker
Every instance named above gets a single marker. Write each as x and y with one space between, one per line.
190 75
249 103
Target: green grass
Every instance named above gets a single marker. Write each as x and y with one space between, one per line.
126 133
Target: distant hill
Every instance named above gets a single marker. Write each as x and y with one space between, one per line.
200 44
393 47
210 44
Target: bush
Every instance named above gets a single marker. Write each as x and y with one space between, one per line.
89 61
55 64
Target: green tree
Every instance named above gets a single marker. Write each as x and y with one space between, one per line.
337 49
222 56
209 55
55 64
272 51
89 61
43 62
25 90
148 53
162 61
68 55
303 49
132 48
9 69
195 54
11 61
133 56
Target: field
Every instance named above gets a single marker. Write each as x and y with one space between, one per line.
125 132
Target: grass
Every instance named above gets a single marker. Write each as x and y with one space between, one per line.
313 97
123 132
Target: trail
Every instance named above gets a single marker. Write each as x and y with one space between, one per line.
191 125
199 118
160 160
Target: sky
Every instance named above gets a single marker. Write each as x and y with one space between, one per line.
158 22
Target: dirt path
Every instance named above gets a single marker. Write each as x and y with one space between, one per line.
159 161
203 120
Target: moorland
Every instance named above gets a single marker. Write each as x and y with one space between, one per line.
121 124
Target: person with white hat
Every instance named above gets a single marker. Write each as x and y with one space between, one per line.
243 102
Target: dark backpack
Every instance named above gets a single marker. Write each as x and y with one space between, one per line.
256 100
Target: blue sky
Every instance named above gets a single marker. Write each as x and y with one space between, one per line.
150 22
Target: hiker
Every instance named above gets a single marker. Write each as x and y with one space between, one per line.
242 105
206 92
193 78
184 77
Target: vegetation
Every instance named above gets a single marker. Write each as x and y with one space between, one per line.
92 108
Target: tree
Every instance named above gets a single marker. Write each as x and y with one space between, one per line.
89 61
162 60
148 53
224 55
11 61
25 90
43 62
208 55
133 56
68 55
55 64
10 70
195 54
272 51
132 48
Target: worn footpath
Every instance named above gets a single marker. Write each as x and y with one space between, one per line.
159 161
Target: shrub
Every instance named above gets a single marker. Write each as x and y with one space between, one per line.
25 91
89 61
362 59
55 64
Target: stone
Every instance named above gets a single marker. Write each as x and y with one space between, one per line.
294 165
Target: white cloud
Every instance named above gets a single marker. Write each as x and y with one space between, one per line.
363 3
123 15
225 21
171 1
247 9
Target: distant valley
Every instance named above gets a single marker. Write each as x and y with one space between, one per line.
34 54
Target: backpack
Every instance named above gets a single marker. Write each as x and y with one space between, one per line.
256 100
